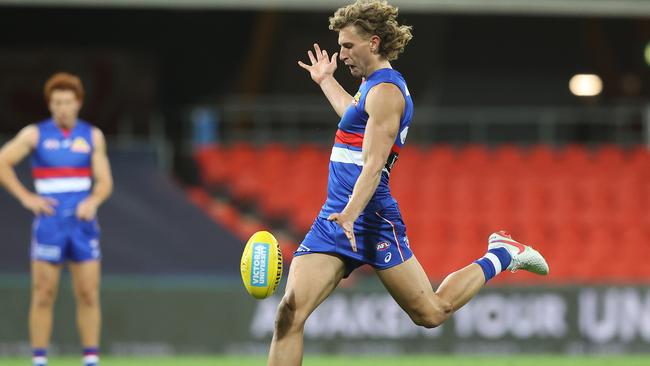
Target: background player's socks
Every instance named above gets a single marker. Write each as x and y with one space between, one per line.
39 357
91 356
494 262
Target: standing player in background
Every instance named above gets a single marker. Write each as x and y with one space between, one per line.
360 222
67 155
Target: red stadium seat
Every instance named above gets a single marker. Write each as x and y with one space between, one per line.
543 159
570 203
474 161
610 156
439 157
639 161
213 164
198 196
508 158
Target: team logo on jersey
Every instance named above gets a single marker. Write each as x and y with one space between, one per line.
383 246
356 98
80 145
51 144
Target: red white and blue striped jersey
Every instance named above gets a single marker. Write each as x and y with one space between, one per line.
346 160
61 162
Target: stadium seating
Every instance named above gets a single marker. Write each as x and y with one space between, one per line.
587 210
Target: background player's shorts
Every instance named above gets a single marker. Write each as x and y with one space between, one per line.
381 240
57 239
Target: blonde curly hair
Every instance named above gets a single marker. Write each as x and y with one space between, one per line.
375 17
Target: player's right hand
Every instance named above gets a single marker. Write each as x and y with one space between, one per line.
321 66
39 205
347 224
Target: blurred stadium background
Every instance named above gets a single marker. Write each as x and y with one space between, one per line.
531 115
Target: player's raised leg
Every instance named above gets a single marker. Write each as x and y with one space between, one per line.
410 287
312 278
45 285
85 280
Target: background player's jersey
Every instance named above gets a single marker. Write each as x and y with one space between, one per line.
61 164
346 160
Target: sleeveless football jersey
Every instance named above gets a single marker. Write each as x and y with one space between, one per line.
61 164
346 159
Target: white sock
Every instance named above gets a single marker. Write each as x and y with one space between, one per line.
90 360
39 361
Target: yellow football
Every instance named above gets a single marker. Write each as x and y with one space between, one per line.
261 265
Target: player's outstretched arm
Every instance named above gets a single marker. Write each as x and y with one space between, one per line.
384 104
103 179
321 71
12 153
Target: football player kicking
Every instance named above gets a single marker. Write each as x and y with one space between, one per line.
360 222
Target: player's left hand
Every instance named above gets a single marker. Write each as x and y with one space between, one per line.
347 224
322 66
86 210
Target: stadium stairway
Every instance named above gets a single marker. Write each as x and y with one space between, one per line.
587 210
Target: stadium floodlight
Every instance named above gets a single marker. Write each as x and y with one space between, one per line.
586 85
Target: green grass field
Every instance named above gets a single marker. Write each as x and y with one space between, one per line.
312 360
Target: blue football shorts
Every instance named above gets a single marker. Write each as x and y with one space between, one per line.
57 239
381 240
